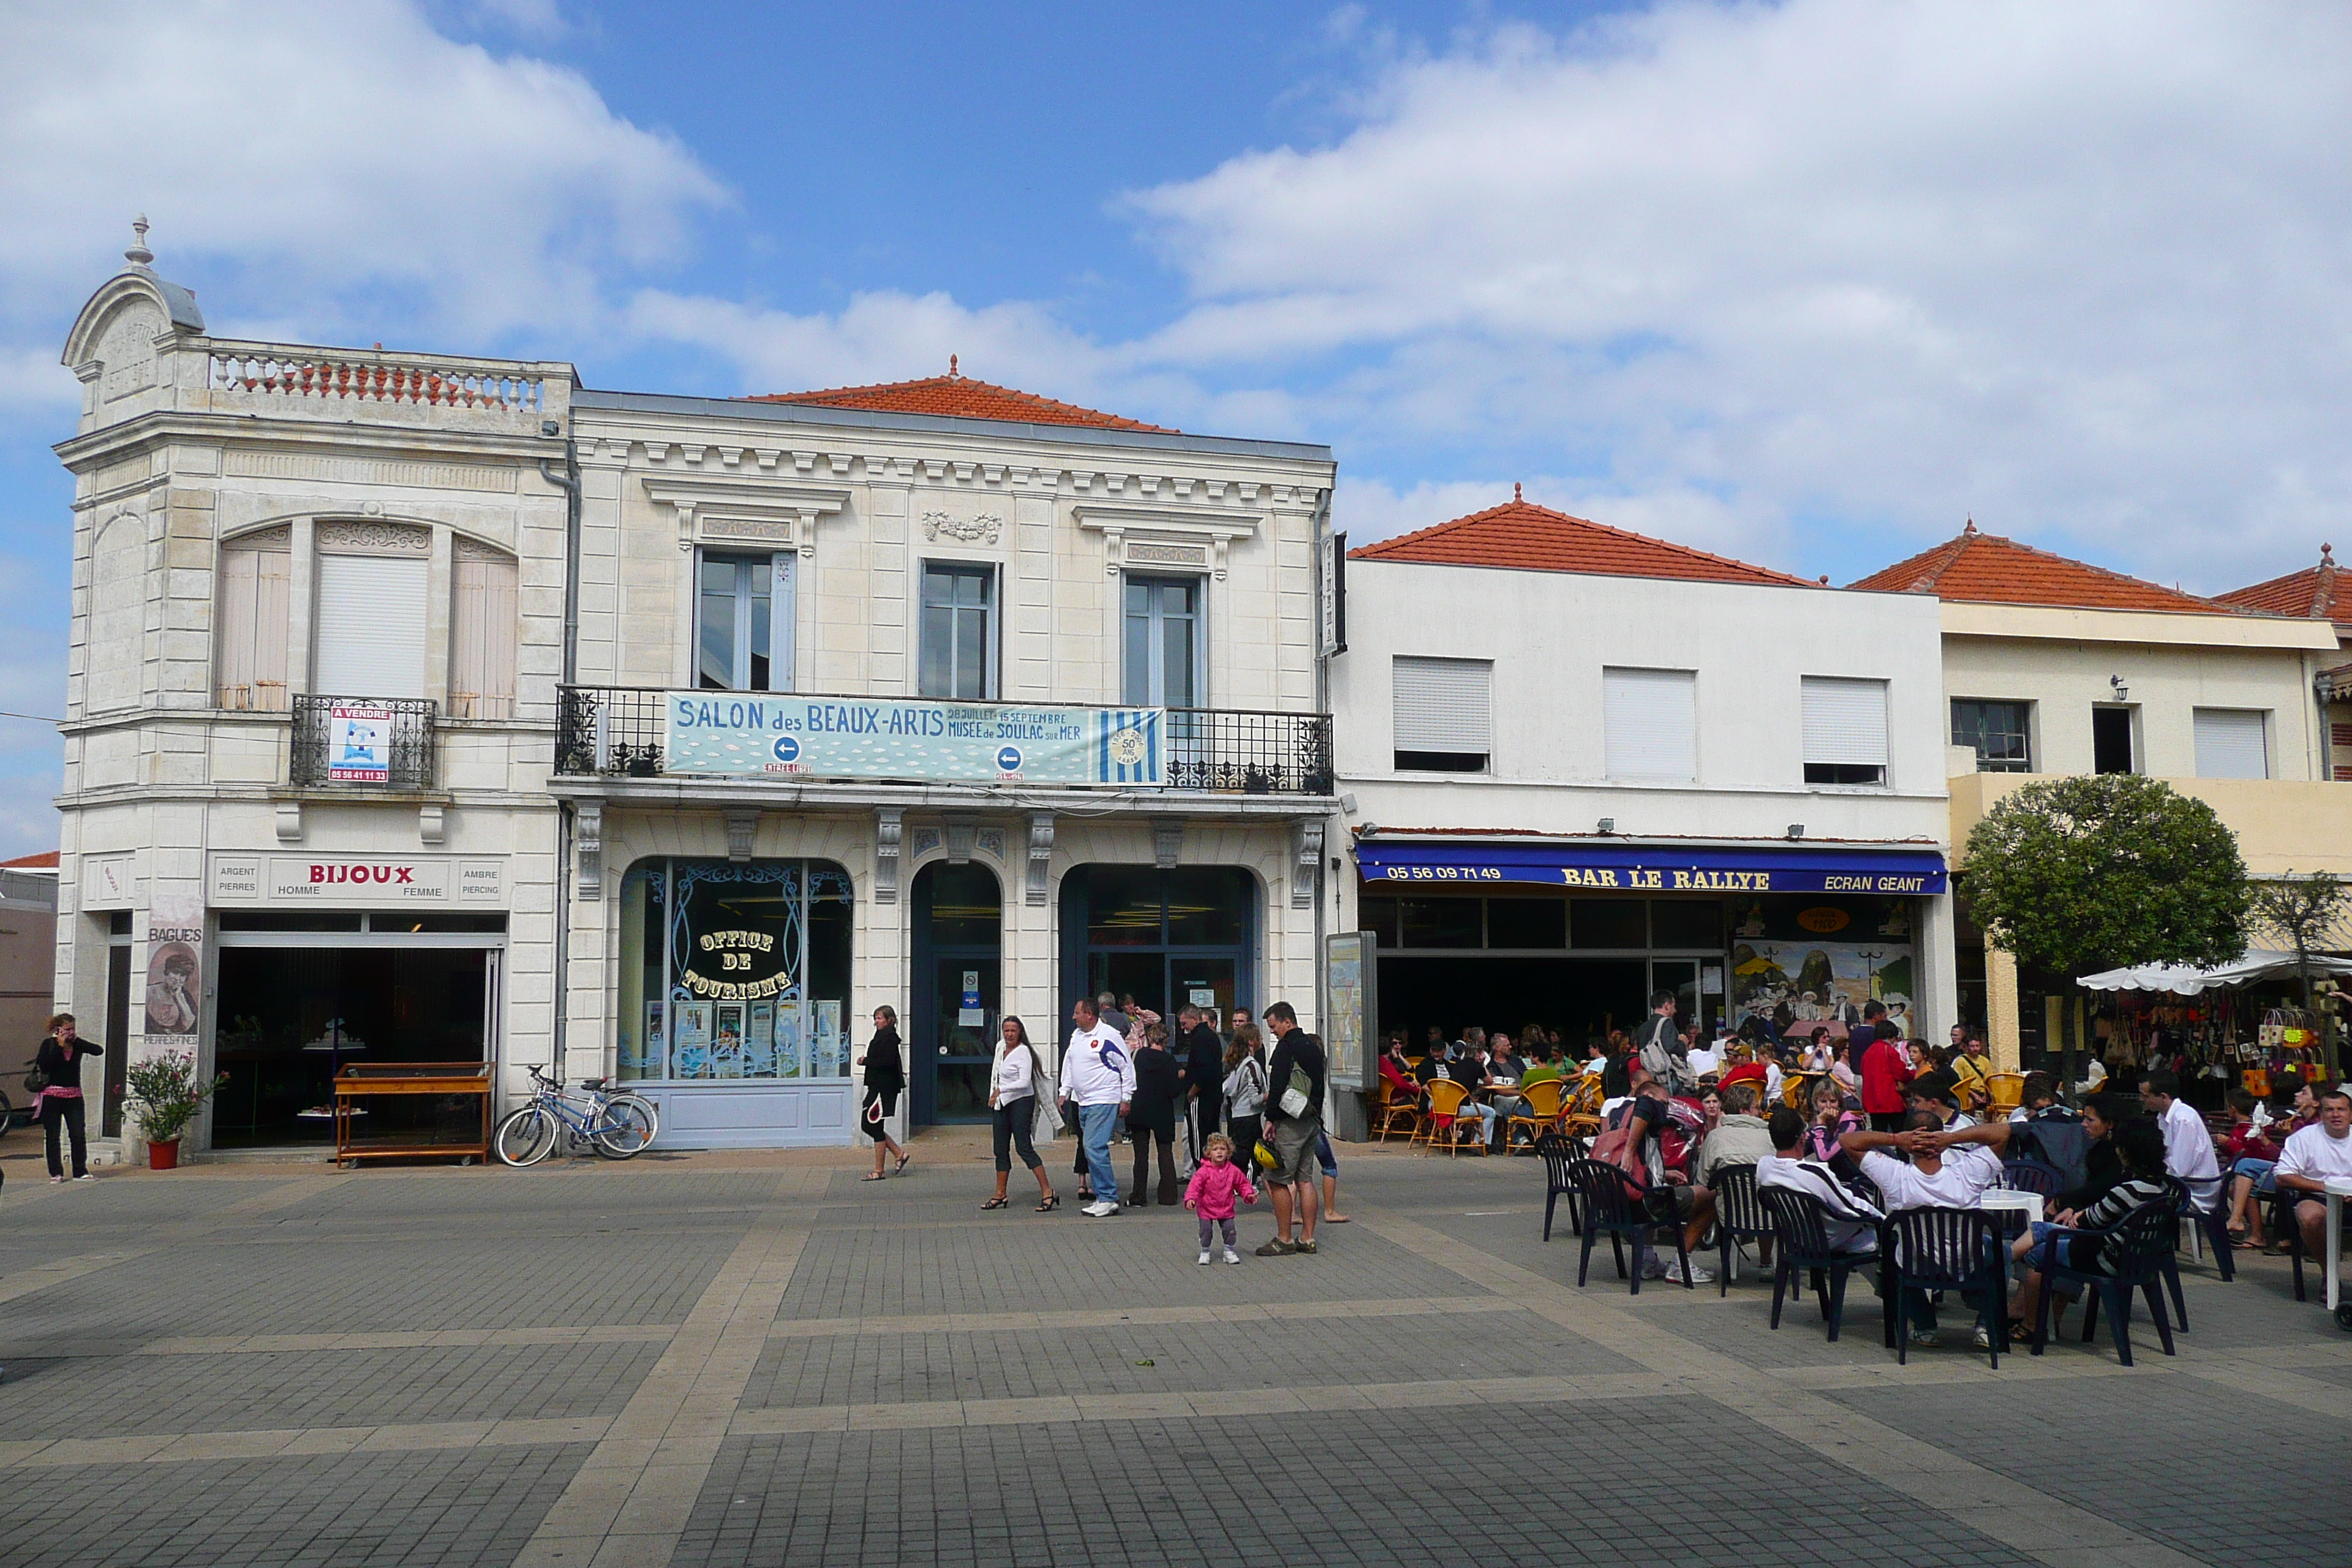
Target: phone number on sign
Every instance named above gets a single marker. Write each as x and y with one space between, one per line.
1445 873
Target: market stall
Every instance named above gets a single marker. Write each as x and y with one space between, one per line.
2231 1024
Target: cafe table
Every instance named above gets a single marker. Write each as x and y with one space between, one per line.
2335 1189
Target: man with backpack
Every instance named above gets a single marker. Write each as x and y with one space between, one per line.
1637 1143
1294 1121
1660 1046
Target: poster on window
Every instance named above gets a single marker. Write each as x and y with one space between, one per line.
175 946
759 1040
828 1052
1803 985
727 1040
692 1046
359 743
788 1039
653 1056
887 737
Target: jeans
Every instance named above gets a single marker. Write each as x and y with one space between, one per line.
2259 1172
1486 1113
1012 1130
66 1113
1324 1157
1096 1125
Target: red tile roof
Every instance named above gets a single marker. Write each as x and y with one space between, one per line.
1526 537
44 861
1985 568
2315 592
958 396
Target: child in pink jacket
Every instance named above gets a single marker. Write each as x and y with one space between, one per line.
1212 1190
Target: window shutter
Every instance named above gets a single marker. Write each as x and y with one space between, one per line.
254 625
2230 743
1442 704
482 636
1846 722
1648 724
370 631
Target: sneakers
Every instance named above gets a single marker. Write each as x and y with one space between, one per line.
1100 1209
85 1176
1925 1339
1205 1257
1231 1255
1306 1247
1981 1338
1673 1274
1280 1247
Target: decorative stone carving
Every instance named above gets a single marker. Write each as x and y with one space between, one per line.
742 822
432 825
374 538
588 838
290 822
1306 863
278 538
991 842
921 842
465 549
1041 855
889 825
960 836
983 529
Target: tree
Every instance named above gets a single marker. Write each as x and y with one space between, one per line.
2303 912
2103 871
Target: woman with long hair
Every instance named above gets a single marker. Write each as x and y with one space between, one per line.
1016 1100
1245 1091
886 1081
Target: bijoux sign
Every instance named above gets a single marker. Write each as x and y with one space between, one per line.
358 881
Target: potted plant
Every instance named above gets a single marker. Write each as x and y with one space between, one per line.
166 1090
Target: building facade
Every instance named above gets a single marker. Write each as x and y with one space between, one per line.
1582 766
433 709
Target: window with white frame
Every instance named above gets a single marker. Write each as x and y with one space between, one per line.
1649 724
1844 731
369 637
1161 657
2232 743
958 632
743 623
1443 714
482 631
256 581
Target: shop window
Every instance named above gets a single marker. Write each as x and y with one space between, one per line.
1442 718
1442 922
1201 908
1844 731
249 651
1687 923
1998 732
743 623
1379 916
734 971
1608 922
958 653
2232 743
370 633
1526 922
1162 656
482 629
1649 724
1123 907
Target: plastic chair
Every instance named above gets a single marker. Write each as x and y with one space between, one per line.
1543 1098
2006 1090
2145 1240
1739 1216
1559 1151
2207 1226
1953 1250
2033 1176
1579 1110
2284 1229
1612 1206
1445 1098
1801 1222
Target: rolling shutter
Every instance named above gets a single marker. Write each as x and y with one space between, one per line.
2230 743
370 631
1443 705
1648 724
1846 722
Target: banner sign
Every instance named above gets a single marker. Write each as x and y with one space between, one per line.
1625 867
892 738
359 743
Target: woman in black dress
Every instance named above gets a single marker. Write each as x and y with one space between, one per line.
1152 1116
886 1079
58 1105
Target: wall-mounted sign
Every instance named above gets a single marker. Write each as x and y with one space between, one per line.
176 949
359 743
107 881
885 738
358 881
1644 868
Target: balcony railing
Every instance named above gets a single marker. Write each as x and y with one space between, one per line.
362 743
618 732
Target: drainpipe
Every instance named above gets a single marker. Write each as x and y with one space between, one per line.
567 480
2322 691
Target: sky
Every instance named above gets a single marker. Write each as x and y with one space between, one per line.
1807 283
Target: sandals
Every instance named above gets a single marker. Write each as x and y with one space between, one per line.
875 1177
991 1204
1050 1205
901 1169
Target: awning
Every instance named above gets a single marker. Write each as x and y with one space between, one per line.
2183 980
1628 868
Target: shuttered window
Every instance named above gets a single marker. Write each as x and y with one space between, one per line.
1648 724
250 645
1443 719
1844 731
2231 743
371 626
481 635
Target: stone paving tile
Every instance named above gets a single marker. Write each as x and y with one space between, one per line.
1218 1353
1326 1489
2158 1454
426 1509
126 1396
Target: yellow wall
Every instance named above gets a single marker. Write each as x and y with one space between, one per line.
2283 825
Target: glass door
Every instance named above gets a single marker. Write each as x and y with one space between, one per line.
956 1055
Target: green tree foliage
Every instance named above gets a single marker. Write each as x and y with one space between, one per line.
2301 912
2104 870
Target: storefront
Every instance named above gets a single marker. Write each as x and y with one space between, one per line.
1169 938
1575 938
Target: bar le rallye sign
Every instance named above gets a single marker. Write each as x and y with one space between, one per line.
888 738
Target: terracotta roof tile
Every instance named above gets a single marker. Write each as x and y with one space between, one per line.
1526 537
958 396
1985 568
44 861
2315 592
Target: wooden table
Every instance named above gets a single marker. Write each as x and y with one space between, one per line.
365 1081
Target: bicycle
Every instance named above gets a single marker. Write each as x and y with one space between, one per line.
617 1126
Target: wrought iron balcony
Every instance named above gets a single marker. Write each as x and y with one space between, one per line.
618 732
362 743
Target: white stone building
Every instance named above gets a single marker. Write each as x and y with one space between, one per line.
1582 765
425 708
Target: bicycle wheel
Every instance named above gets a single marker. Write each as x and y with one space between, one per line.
623 1130
7 1116
525 1137
653 1112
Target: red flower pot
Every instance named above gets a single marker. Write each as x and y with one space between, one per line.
163 1156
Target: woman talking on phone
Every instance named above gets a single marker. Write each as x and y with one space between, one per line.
886 1081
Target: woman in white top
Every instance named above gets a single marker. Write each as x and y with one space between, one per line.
1016 1104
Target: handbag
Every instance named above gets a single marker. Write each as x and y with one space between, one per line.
36 1080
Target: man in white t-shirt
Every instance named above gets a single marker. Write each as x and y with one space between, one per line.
1099 1079
1852 1223
2313 1156
1952 1178
2187 1144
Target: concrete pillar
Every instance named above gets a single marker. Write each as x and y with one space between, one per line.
2001 1009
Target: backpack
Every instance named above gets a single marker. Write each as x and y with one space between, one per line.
2056 1137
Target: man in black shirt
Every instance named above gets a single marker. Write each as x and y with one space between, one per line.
1202 1073
1294 1120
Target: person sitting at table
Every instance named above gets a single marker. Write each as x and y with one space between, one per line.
2038 1093
1971 1071
2249 1154
1472 1074
1852 1220
1844 1071
2251 1176
1503 1061
1744 1069
1397 1073
1737 1137
1816 1055
2313 1157
1642 1156
1936 1177
1832 1119
2187 1144
1549 1066
2102 1166
1936 1091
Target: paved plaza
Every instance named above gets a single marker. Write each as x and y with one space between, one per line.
699 1359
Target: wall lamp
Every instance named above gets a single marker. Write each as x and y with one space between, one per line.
1796 830
1608 824
2115 684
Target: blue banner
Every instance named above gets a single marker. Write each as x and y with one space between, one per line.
1655 868
780 736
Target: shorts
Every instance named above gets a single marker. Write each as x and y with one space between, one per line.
2079 1253
1683 1200
2260 1172
1293 1143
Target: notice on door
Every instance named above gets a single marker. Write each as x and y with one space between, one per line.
968 1014
358 881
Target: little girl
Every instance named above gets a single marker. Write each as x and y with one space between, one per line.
1211 1192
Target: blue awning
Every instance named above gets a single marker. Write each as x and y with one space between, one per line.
1627 868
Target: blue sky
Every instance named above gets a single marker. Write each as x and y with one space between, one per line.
1807 283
